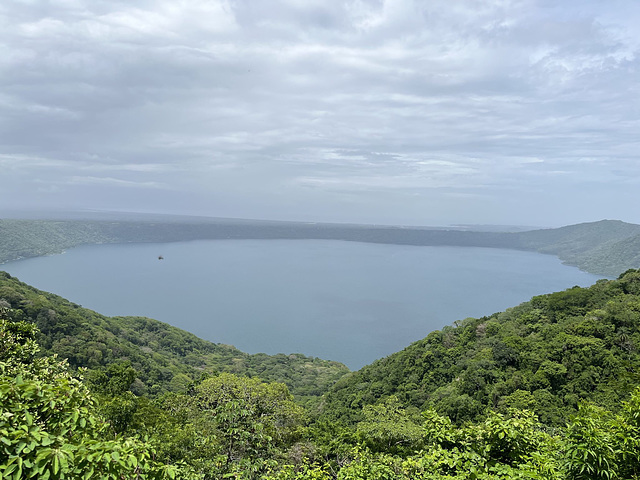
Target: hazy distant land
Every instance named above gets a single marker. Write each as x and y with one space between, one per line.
606 247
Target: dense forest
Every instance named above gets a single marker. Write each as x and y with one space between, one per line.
545 355
545 390
607 247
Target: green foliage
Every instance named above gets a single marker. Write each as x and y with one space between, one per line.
225 425
163 358
48 425
300 472
17 339
365 466
545 358
388 427
604 445
501 447
115 379
250 417
591 446
628 437
544 355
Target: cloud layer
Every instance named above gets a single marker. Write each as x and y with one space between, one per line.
383 111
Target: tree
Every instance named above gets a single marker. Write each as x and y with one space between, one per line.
251 418
604 445
48 425
388 427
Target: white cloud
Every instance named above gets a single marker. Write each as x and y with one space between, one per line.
111 181
260 100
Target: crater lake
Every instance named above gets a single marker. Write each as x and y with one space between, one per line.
345 301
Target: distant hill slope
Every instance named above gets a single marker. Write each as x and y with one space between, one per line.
165 357
32 238
613 256
544 355
605 248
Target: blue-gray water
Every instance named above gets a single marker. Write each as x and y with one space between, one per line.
351 302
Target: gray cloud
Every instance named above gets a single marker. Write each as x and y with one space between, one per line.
386 111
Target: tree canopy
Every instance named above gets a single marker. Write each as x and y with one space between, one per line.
546 390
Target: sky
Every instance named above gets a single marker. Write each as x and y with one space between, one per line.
402 112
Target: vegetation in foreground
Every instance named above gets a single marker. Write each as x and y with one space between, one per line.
545 355
55 425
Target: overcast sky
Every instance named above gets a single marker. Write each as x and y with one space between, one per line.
426 112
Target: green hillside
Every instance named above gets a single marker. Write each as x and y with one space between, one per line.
545 390
574 239
164 357
545 355
32 238
612 256
607 247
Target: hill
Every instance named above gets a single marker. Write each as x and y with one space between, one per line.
32 238
455 405
545 355
605 248
164 357
475 384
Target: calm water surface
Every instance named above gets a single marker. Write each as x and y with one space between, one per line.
351 302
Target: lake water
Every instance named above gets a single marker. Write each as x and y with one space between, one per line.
351 302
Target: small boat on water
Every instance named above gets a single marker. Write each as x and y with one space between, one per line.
160 257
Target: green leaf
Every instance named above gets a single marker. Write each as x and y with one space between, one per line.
18 473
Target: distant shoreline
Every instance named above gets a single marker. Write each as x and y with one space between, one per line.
607 247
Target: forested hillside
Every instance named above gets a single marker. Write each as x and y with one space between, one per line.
545 355
546 390
164 357
32 238
607 247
